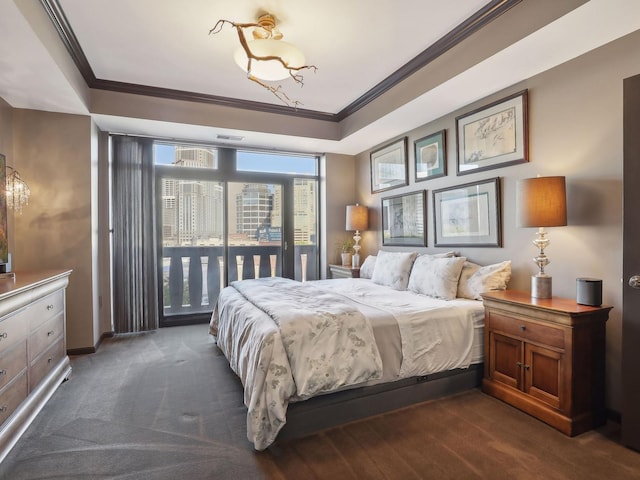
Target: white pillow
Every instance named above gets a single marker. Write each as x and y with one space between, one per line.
366 270
436 276
476 279
392 269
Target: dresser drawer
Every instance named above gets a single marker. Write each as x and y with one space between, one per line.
45 335
12 396
45 308
529 331
13 329
45 363
12 362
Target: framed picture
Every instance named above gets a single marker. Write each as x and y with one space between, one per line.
493 136
4 242
404 219
468 215
431 156
389 166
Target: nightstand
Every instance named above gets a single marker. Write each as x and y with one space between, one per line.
339 271
546 357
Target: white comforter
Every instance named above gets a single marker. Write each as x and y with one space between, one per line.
313 339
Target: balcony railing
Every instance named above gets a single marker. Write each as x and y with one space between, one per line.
193 276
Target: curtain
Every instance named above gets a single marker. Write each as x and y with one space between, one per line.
134 249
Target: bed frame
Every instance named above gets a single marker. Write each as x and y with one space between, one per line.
330 410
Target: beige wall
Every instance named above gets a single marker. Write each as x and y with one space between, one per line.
54 155
337 187
575 128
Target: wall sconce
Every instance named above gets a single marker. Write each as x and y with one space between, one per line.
357 219
17 190
541 202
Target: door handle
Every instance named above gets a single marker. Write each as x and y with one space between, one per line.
634 282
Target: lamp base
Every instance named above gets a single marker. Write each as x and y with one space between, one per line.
541 286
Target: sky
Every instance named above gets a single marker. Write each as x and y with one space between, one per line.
251 161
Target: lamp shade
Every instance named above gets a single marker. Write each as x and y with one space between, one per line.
270 70
541 202
357 217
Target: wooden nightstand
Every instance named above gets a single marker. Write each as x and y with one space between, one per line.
546 357
339 271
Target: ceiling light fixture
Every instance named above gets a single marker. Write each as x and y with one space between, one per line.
267 57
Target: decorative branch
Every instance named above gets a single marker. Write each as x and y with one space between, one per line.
265 29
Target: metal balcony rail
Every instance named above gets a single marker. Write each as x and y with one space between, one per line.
193 276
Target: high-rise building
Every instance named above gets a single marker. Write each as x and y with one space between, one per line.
192 210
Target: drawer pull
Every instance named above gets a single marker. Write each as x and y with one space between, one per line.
527 367
49 307
3 335
3 408
50 333
518 364
3 372
523 327
50 359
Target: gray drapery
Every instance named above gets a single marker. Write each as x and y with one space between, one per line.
134 248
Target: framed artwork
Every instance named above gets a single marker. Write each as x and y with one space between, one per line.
404 220
4 241
430 156
468 215
389 166
493 136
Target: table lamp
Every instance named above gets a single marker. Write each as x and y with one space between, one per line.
541 202
357 219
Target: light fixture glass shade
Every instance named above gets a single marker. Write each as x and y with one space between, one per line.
357 217
17 190
270 70
541 202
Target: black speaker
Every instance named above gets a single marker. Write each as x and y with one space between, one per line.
589 291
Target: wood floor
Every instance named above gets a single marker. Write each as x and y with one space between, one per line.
165 405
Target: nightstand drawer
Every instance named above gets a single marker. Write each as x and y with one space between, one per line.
12 362
45 363
530 331
42 338
12 396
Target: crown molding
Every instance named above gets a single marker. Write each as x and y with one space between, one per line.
474 23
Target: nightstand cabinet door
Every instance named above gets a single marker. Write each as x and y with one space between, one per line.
543 375
505 359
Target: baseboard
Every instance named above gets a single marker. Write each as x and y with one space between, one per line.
88 350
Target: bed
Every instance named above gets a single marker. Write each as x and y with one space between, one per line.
340 349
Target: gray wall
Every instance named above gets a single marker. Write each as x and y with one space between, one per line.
575 128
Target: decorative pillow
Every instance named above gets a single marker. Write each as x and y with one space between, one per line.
476 279
436 276
392 269
366 269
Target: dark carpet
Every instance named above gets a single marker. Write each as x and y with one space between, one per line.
165 405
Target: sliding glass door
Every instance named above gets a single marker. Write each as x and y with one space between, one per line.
220 220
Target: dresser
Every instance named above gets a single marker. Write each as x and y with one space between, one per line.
547 358
33 359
